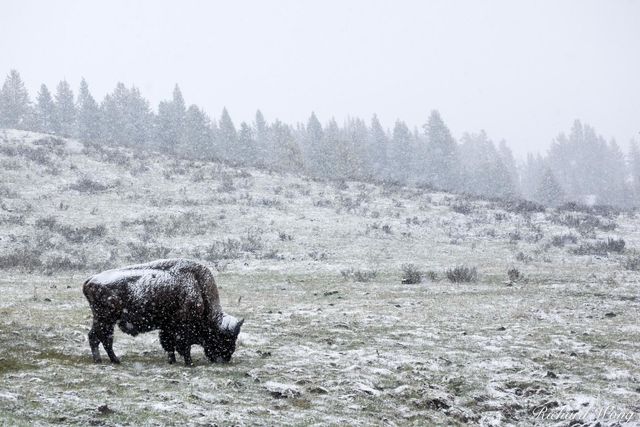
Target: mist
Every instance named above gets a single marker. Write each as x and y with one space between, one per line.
523 72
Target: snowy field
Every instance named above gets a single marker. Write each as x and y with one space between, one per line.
332 335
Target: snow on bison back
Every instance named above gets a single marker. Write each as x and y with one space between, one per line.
177 296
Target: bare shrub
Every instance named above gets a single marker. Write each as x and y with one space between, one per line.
12 219
462 208
522 206
515 236
63 261
564 239
602 247
284 236
227 185
462 274
632 262
88 185
359 275
72 234
317 255
8 193
252 242
140 252
522 257
410 274
584 223
21 257
431 275
514 274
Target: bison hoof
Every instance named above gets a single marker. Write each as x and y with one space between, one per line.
97 360
115 361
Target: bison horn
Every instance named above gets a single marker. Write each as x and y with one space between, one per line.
238 325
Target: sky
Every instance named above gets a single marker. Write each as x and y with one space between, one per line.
522 71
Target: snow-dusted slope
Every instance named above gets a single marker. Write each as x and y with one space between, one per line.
317 347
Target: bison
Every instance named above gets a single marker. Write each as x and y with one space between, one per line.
177 296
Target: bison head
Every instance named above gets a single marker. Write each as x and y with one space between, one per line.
221 342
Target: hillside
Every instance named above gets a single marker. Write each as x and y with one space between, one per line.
316 267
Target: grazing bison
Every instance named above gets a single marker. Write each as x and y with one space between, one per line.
177 296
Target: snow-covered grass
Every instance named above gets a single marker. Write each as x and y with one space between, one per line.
316 347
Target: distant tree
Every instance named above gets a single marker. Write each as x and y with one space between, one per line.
377 148
45 111
198 137
126 117
261 138
65 122
482 169
442 167
88 121
634 166
615 190
400 153
246 144
531 175
313 145
509 162
15 106
588 167
140 119
170 123
358 135
227 136
287 153
340 159
549 191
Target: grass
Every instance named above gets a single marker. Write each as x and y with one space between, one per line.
366 351
349 361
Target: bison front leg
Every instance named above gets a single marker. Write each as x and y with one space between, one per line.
184 350
94 343
168 342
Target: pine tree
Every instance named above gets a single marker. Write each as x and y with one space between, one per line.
262 139
357 133
198 136
15 106
313 145
246 144
88 121
634 166
400 152
45 111
532 171
509 162
126 117
65 122
549 191
171 122
377 148
482 169
442 167
227 136
139 119
287 153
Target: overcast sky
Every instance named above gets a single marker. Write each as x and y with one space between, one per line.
521 70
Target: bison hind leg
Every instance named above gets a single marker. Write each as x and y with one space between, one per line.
103 332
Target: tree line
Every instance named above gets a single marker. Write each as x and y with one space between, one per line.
581 167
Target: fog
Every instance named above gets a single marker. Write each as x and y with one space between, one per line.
521 71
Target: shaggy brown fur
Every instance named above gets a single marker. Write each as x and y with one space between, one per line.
177 296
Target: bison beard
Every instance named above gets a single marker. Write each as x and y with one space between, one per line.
177 296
